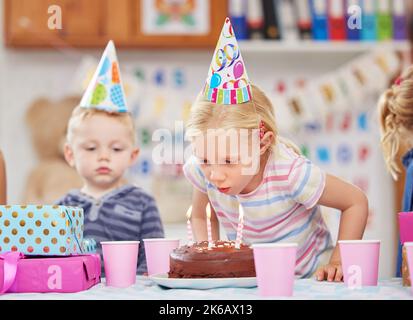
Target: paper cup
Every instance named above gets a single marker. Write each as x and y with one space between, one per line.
157 253
120 259
275 268
406 226
360 262
409 249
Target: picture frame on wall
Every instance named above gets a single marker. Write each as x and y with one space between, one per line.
179 23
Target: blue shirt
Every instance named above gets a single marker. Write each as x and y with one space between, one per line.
124 214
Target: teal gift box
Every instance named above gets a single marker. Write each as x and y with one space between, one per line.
41 230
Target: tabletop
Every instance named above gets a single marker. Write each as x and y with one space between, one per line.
304 289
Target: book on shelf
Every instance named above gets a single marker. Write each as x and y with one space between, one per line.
321 20
271 19
287 20
353 23
399 10
255 19
336 20
237 10
384 20
303 18
369 29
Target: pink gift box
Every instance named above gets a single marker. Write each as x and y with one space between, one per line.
53 274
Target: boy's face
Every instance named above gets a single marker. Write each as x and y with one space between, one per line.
101 150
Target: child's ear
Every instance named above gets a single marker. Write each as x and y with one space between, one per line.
134 155
266 142
68 153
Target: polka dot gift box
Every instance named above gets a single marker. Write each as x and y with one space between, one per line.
41 230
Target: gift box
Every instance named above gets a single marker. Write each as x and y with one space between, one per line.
41 230
48 274
405 269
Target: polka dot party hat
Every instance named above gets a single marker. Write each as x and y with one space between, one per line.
227 81
105 90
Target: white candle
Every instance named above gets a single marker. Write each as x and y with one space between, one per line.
189 227
240 227
208 212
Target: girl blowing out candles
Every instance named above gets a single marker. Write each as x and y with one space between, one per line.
279 190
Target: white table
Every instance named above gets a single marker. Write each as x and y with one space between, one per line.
307 289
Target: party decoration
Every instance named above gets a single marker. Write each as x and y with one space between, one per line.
362 121
364 153
105 90
344 154
227 81
323 154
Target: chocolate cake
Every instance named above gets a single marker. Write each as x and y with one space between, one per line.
223 260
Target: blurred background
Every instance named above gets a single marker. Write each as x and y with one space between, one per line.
323 63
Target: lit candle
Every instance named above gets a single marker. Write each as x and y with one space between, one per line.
208 212
240 227
189 227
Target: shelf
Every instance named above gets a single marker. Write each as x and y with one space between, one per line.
309 46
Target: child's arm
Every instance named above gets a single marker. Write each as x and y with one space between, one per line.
3 180
198 219
353 204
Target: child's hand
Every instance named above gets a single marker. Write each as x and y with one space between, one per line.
330 272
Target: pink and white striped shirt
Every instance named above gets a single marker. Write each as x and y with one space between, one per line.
283 208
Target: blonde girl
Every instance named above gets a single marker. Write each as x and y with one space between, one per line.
396 123
281 199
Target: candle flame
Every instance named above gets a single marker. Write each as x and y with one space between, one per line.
208 211
189 213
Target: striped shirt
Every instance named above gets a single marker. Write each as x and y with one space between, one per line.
283 208
126 213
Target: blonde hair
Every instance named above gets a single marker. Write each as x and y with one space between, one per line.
205 114
396 119
79 114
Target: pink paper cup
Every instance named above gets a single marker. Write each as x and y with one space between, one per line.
157 253
275 268
120 259
409 249
406 226
360 262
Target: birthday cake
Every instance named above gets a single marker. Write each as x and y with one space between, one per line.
222 260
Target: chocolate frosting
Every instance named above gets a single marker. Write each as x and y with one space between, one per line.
223 260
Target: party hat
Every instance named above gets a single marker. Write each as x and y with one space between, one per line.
227 81
105 90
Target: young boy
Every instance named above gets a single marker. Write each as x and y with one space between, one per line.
101 145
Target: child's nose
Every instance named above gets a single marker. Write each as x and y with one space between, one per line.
216 175
104 155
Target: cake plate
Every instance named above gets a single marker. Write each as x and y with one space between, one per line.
203 283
